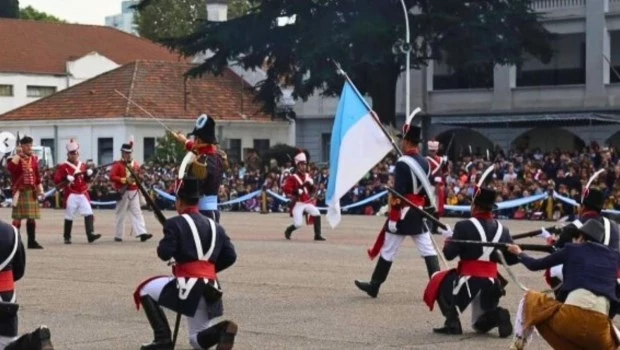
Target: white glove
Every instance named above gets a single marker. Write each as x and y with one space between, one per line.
70 178
89 172
392 226
300 191
447 233
544 234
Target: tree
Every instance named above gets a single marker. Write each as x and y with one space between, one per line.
282 153
361 35
9 9
31 13
168 150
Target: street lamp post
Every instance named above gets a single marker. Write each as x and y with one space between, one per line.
407 49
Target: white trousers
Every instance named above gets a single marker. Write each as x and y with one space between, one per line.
392 245
130 202
77 203
298 212
195 324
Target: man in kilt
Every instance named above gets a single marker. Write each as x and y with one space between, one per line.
26 180
200 249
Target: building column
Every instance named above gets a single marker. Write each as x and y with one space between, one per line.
292 132
597 48
504 80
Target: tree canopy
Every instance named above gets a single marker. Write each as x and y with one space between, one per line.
361 35
9 9
31 13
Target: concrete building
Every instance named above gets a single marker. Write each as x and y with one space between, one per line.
101 120
125 20
39 58
575 98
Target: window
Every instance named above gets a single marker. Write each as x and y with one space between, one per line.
105 150
6 90
51 144
261 145
234 150
149 148
39 91
326 141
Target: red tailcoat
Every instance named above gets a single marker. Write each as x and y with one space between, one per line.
293 184
437 174
119 172
25 174
79 185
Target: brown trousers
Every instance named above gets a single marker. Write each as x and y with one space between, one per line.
568 327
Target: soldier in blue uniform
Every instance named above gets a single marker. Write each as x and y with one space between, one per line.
209 165
411 179
476 280
12 267
200 248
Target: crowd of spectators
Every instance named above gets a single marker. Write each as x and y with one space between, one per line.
517 174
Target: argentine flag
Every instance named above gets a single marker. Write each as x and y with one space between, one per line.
358 143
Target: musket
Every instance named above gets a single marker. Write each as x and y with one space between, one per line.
551 229
65 182
158 214
533 247
416 208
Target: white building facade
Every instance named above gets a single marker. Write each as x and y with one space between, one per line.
124 21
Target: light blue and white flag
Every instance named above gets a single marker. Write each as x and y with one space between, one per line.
358 143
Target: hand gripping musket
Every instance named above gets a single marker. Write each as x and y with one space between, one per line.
95 170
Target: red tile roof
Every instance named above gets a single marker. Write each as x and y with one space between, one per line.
44 48
157 86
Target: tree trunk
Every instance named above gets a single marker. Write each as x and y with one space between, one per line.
383 94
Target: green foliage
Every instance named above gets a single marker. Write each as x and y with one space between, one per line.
168 150
361 35
31 13
170 18
9 9
282 153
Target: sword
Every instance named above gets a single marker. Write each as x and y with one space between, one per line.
416 208
532 247
445 152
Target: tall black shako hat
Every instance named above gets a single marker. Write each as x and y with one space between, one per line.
204 129
128 147
484 197
592 198
594 229
188 188
410 132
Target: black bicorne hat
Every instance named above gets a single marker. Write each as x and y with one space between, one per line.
592 198
188 188
594 229
205 129
410 132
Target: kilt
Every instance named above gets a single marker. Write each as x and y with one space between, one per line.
564 326
27 205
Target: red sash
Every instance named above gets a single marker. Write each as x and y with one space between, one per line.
477 268
7 283
195 269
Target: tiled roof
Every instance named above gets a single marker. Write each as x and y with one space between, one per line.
157 86
44 48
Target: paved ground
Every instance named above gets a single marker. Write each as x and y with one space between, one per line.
283 294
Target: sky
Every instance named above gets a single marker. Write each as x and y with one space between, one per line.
77 11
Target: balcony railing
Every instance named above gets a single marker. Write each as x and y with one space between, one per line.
547 5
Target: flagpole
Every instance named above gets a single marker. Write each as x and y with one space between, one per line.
340 71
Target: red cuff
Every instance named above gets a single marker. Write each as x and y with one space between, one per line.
394 214
189 145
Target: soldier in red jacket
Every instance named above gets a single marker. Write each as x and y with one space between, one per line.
73 177
300 188
437 165
126 186
26 179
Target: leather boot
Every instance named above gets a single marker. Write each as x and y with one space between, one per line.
452 325
378 277
89 223
223 334
159 323
432 265
317 229
67 232
30 230
499 317
40 339
289 231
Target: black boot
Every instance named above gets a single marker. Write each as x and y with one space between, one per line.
432 265
378 277
30 230
89 223
40 339
317 229
161 329
499 317
67 232
145 237
223 334
289 231
452 325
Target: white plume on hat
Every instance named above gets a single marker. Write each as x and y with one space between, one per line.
433 145
72 146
